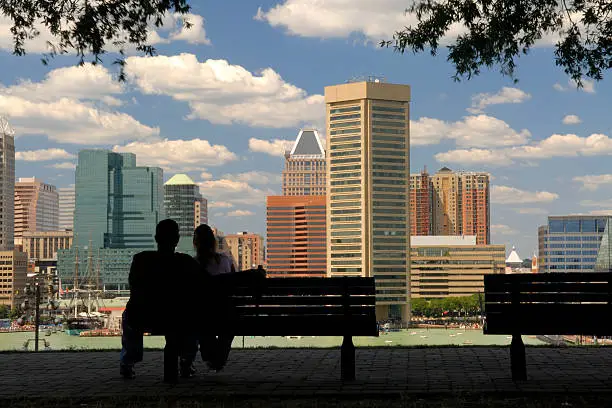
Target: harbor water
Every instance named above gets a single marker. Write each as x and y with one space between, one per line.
410 337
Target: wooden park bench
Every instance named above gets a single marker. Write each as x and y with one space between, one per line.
303 307
546 304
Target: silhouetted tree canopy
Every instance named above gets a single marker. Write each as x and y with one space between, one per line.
88 27
498 32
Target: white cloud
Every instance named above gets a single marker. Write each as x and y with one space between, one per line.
219 204
601 212
588 86
205 175
571 120
597 203
256 177
471 131
501 229
276 147
185 155
512 195
43 155
234 192
505 95
239 213
63 165
567 145
223 93
531 211
63 107
340 18
173 26
593 182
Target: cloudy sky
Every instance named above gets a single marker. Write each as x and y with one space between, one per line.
222 99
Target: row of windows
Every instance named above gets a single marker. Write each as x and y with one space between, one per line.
571 252
346 197
349 211
387 138
386 123
347 109
389 145
390 189
345 124
344 182
345 168
586 260
340 139
343 117
387 160
387 167
345 189
390 131
346 248
346 241
583 245
388 116
345 233
388 109
576 225
347 153
341 175
344 131
345 219
395 152
349 204
573 238
341 161
389 197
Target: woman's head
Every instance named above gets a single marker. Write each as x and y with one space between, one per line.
204 239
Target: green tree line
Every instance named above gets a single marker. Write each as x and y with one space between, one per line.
450 306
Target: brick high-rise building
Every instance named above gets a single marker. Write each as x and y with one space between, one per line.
36 207
461 204
304 172
296 236
421 204
246 249
13 269
368 225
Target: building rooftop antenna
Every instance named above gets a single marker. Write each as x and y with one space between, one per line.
367 78
5 127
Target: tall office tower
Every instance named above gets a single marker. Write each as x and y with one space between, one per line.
7 185
66 208
118 205
575 243
461 204
304 172
246 249
36 207
421 204
184 204
296 236
368 166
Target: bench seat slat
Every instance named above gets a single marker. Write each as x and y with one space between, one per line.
586 277
493 298
301 291
555 287
304 326
303 310
303 300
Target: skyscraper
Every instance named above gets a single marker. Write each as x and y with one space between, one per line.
368 212
304 172
184 204
421 204
36 207
66 208
118 205
7 185
296 236
461 204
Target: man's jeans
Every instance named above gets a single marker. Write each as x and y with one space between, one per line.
131 343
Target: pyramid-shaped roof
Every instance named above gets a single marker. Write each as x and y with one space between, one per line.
180 180
307 144
513 258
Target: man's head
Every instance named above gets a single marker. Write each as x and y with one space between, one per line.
167 235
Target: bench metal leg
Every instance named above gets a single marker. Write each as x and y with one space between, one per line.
517 358
347 359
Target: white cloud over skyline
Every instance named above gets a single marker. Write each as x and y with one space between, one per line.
504 195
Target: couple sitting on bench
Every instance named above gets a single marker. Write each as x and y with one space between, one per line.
182 298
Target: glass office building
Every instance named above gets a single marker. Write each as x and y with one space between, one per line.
117 206
574 243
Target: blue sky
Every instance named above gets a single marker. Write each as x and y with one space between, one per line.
222 99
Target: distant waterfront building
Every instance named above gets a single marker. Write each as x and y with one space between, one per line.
43 246
461 204
246 249
368 166
13 269
514 263
184 204
36 207
296 236
443 266
118 205
304 172
66 208
574 243
7 185
421 204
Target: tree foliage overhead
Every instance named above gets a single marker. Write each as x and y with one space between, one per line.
498 32
88 27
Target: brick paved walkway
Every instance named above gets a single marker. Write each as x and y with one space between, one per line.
313 372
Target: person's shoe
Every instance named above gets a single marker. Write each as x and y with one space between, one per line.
187 370
127 371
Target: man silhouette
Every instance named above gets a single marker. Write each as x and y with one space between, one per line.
157 280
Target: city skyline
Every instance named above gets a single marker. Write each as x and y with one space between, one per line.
524 134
